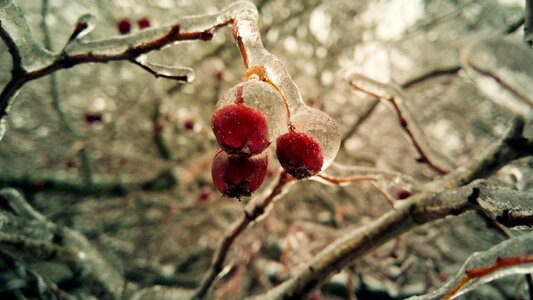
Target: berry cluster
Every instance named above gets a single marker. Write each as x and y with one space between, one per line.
245 121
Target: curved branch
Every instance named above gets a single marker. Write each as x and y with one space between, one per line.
253 211
420 209
126 48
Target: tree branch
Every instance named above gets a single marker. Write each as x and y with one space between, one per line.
36 237
422 208
408 123
35 182
528 23
255 209
126 48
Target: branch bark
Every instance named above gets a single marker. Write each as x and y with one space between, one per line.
252 212
452 199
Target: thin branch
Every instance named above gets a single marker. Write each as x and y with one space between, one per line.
422 208
126 48
394 97
252 212
13 50
159 140
511 146
502 262
40 238
54 88
165 180
360 120
528 23
431 74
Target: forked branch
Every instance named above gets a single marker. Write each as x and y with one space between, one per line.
454 198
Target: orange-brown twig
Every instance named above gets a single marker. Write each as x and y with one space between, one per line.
501 262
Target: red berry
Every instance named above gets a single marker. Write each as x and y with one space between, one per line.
240 130
189 124
204 195
124 26
219 75
158 127
143 23
403 194
91 118
237 177
299 154
71 163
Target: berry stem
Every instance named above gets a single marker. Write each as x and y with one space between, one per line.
349 179
252 211
501 262
261 72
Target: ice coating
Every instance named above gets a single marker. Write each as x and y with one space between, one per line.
516 246
30 55
173 72
247 33
2 128
85 25
320 125
502 71
395 98
263 97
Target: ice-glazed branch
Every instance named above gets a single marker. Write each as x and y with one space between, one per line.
164 180
256 209
395 98
501 70
453 199
513 145
54 87
29 235
78 51
15 33
246 34
512 256
393 185
528 23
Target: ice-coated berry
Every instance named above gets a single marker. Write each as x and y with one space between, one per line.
240 130
238 177
299 154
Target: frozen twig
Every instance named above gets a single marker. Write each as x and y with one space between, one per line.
501 70
36 182
458 194
77 51
257 208
54 88
393 185
369 109
510 257
394 97
157 131
528 23
511 146
28 234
